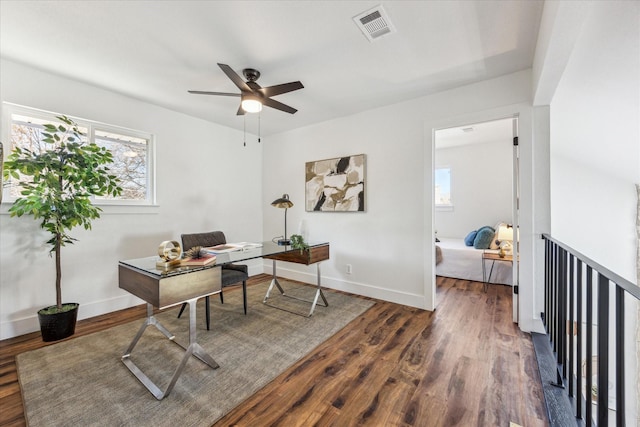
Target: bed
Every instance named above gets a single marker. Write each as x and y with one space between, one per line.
465 262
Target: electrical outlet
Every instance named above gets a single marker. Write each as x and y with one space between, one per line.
348 268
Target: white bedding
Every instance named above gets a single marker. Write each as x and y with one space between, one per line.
465 262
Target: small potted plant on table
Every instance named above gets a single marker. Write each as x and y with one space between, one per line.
297 242
58 175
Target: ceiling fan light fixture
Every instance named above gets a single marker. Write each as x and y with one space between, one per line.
251 104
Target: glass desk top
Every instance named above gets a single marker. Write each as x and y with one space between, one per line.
148 264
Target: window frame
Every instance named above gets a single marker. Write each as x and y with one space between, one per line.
8 110
441 206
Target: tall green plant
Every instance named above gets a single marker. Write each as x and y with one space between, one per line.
57 183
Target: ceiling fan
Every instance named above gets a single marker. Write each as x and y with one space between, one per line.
252 95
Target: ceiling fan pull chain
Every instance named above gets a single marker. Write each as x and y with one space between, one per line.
259 117
244 128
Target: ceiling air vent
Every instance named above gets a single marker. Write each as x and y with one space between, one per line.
374 23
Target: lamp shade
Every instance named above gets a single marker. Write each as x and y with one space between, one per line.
505 233
251 104
282 202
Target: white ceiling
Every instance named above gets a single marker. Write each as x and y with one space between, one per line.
476 133
156 50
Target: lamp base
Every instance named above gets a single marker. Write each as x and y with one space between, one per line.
284 242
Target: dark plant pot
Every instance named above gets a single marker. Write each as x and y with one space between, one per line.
58 326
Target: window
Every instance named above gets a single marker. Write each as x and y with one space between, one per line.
129 162
443 188
132 152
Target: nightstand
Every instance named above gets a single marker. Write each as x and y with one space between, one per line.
493 257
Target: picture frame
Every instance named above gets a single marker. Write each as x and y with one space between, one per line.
336 185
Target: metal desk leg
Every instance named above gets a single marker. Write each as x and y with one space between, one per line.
194 349
274 282
319 293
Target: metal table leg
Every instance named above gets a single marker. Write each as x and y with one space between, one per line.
485 279
318 294
194 349
274 282
484 275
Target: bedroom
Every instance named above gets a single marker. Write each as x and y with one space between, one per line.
465 203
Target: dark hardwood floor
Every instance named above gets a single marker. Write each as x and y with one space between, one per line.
466 364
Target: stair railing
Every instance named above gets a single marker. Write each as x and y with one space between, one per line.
581 298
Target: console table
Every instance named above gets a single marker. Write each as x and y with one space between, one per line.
164 288
493 257
313 255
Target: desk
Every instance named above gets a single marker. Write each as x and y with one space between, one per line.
164 288
493 257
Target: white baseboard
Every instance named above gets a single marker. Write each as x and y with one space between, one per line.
28 324
404 298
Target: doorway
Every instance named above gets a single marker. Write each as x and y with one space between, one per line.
476 169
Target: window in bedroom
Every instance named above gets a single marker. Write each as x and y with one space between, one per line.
443 188
132 152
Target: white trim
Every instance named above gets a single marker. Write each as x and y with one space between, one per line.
106 209
404 298
444 208
529 262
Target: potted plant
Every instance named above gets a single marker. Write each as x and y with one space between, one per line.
58 175
297 242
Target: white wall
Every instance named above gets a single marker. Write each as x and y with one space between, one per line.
390 245
198 189
595 150
595 153
481 187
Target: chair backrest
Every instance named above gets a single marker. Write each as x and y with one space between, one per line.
211 238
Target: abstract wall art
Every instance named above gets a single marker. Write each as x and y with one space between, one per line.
335 185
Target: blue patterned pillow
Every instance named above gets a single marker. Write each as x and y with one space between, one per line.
470 238
484 237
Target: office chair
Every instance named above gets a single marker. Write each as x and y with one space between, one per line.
231 273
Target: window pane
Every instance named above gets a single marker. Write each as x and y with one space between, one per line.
26 133
443 186
129 163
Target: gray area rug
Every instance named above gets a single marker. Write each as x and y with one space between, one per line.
83 381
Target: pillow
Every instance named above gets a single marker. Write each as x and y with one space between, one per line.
484 237
470 238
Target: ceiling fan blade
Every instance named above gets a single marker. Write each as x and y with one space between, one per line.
254 86
235 78
240 111
202 92
280 89
278 105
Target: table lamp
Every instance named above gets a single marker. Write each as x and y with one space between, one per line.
283 202
505 236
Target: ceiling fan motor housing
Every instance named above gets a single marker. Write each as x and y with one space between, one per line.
251 74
